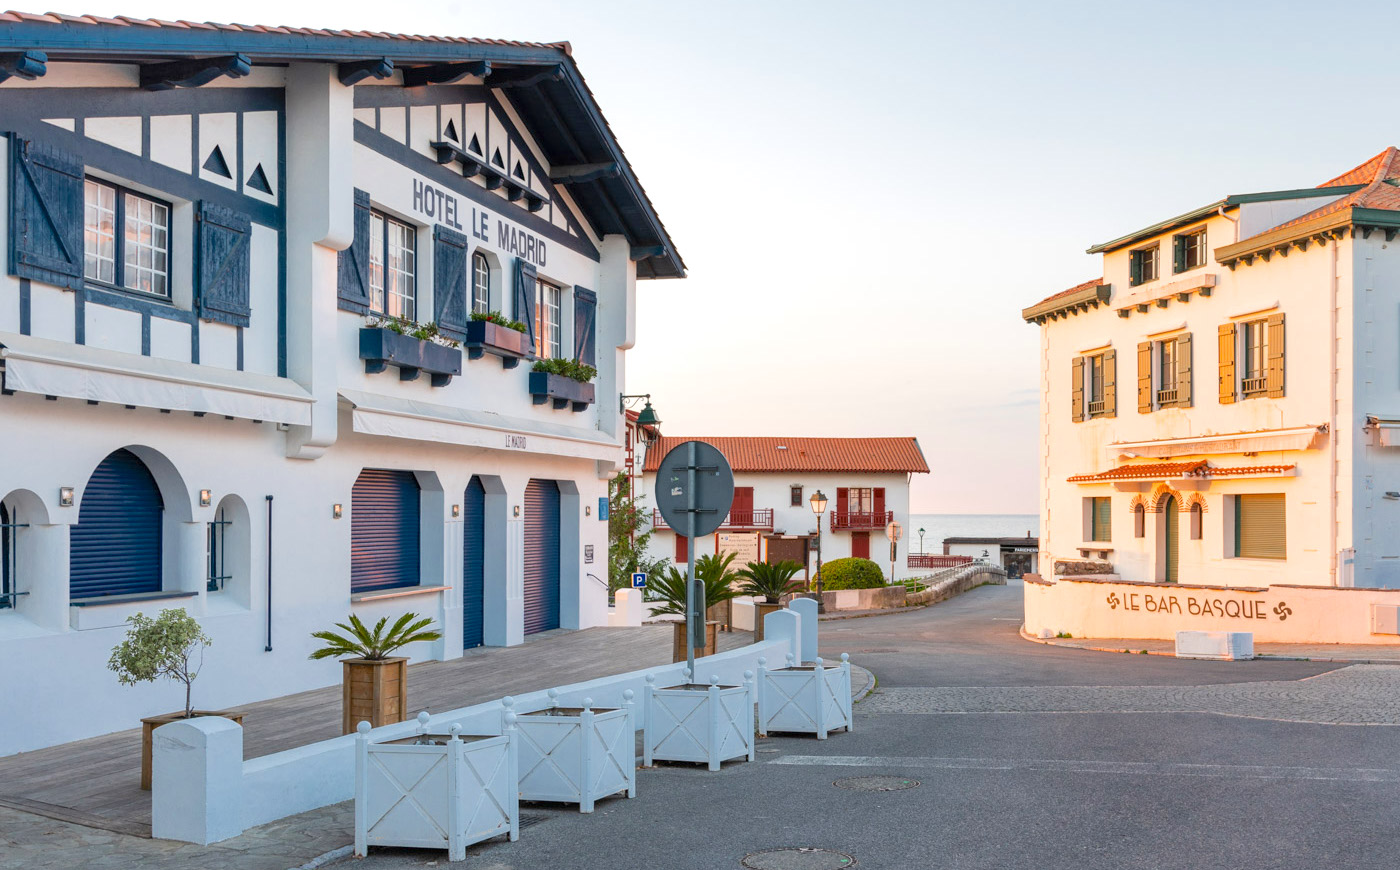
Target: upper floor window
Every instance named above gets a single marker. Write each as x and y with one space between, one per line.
126 239
861 500
1095 384
549 336
1189 250
1093 387
392 267
481 284
796 495
1142 266
1254 364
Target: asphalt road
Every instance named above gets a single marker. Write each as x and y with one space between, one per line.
1037 757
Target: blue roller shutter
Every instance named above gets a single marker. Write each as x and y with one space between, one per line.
585 326
541 556
384 530
473 564
115 549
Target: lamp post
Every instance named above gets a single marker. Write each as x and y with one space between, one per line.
818 501
921 541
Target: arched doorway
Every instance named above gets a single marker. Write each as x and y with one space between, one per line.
1171 535
115 549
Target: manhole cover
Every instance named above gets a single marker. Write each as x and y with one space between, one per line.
876 783
797 859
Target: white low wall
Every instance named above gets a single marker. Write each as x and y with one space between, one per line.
1092 607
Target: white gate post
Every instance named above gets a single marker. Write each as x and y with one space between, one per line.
785 625
197 780
807 609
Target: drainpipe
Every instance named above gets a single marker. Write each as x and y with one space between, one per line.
1332 421
1236 221
268 647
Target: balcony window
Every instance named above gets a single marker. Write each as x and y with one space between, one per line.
1168 372
1098 407
1254 368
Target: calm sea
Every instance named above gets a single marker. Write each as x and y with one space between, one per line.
939 526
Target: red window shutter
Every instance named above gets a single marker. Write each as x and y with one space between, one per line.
880 501
860 545
843 500
741 510
681 548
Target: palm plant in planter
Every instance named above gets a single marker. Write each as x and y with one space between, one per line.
769 581
170 646
374 681
670 588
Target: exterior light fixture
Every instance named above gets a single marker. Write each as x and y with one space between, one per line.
818 502
456 511
515 511
336 511
648 421
206 497
588 510
65 496
921 541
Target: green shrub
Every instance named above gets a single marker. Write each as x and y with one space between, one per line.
852 573
569 368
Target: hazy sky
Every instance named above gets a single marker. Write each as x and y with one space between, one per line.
866 195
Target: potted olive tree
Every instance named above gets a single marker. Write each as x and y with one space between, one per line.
669 588
769 581
170 646
374 681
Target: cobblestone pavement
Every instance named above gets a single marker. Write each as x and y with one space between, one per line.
1356 695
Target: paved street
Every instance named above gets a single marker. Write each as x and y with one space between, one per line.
1026 756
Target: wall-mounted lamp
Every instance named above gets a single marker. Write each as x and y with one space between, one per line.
65 496
456 511
336 511
1392 495
515 511
206 497
588 510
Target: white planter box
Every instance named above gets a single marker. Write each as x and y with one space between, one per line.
577 754
807 699
447 793
694 722
1227 646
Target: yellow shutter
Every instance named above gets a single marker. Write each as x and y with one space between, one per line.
1227 363
1275 382
1260 527
1077 389
1183 371
1110 384
1144 377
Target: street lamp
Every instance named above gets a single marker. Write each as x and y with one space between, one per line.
921 541
818 501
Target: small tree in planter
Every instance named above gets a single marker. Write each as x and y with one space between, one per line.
374 681
670 588
769 581
170 646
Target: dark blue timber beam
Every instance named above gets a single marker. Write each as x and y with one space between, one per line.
356 72
28 65
646 252
584 172
526 77
444 73
193 73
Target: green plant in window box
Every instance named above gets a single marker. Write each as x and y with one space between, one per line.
499 319
568 368
429 331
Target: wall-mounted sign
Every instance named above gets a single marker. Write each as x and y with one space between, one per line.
588 554
1176 602
603 508
445 208
516 442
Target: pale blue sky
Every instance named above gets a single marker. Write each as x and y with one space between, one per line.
867 194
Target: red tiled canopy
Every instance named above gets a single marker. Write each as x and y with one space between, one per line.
1176 470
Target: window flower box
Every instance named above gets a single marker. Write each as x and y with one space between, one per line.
435 791
381 348
577 754
562 390
699 723
806 699
483 337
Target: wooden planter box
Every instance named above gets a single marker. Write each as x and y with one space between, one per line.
436 791
805 699
373 691
698 723
151 723
678 642
577 755
483 337
760 610
381 348
563 391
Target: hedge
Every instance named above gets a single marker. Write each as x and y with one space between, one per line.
852 573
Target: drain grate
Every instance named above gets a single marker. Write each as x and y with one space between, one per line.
802 858
876 783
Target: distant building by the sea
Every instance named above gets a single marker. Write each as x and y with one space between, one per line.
1008 540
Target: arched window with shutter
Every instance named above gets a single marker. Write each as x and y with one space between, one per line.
116 547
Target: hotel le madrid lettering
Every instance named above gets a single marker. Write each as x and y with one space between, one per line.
1193 605
445 208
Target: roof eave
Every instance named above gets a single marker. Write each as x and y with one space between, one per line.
1320 228
1089 297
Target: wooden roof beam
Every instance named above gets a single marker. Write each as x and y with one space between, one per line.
444 73
193 73
351 74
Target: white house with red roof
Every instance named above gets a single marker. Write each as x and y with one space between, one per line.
298 323
1220 406
865 481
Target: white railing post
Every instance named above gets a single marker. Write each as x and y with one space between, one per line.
648 699
820 686
513 774
716 722
361 805
456 806
586 751
748 708
627 696
850 702
762 696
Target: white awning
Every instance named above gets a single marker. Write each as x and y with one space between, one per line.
395 417
1263 441
75 371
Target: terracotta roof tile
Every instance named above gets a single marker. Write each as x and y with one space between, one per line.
777 454
1093 282
1175 470
1376 194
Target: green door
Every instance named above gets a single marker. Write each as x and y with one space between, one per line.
1171 537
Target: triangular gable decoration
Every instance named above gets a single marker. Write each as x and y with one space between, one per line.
216 163
496 159
475 144
258 180
450 132
518 171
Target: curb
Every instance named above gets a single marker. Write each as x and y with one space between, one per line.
326 858
1161 652
858 695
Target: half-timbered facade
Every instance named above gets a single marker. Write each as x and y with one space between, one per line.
270 313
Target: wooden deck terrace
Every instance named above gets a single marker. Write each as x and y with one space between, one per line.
96 782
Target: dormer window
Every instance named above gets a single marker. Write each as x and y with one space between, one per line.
1189 250
1142 265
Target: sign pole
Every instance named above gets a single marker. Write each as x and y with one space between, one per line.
695 634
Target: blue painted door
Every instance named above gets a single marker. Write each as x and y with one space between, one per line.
115 549
473 564
541 556
385 530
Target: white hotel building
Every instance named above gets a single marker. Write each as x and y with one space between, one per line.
1221 406
204 223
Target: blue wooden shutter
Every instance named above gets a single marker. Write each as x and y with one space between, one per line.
385 530
46 214
352 266
222 270
115 549
525 297
450 281
585 326
541 556
473 564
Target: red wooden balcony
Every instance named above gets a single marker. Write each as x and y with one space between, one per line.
860 521
753 518
937 560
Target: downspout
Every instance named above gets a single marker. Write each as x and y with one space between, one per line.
268 647
1332 421
1236 221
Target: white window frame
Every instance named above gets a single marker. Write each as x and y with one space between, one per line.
481 283
549 315
393 267
138 236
